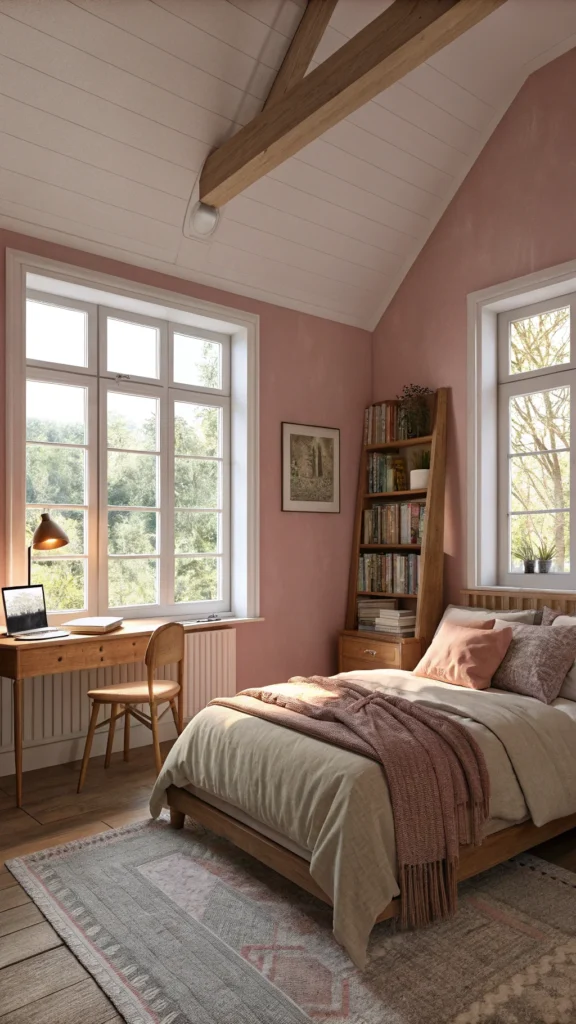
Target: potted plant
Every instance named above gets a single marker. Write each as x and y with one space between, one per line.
524 552
420 471
544 555
414 411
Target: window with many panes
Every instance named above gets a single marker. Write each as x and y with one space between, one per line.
536 393
128 448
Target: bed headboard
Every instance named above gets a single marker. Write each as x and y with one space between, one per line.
500 599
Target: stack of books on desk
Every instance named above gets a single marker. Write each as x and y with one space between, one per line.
369 609
396 621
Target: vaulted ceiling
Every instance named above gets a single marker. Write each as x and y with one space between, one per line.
108 109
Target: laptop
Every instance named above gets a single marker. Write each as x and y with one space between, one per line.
25 611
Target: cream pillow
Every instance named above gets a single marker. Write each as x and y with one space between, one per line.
462 616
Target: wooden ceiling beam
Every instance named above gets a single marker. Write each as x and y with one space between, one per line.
396 42
312 27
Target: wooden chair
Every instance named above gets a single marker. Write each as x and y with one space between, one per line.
166 647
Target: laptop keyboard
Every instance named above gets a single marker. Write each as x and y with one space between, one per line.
41 632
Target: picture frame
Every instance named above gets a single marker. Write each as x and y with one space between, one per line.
310 468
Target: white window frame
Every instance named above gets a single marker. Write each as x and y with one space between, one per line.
71 285
55 376
489 314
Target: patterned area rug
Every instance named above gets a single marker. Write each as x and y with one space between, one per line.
182 928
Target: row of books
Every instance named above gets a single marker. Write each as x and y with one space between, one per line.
394 523
389 573
383 423
385 473
369 609
397 623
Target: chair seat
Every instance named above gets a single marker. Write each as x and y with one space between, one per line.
135 693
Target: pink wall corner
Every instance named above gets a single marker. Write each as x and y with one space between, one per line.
311 371
514 214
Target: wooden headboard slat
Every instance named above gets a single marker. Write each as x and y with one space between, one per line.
500 599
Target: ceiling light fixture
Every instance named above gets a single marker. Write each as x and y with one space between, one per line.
203 219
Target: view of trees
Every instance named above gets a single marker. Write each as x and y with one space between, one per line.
56 476
540 438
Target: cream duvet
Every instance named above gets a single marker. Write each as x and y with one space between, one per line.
335 804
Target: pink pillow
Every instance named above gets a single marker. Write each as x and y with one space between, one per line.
465 655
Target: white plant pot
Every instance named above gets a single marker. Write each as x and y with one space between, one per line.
419 479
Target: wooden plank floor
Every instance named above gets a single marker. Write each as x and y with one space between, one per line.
41 982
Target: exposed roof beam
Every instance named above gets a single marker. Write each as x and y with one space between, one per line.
312 27
400 39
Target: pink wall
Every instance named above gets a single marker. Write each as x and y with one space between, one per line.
514 214
311 371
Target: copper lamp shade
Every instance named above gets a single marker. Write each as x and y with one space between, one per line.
47 537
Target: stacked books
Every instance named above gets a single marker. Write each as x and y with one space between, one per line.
385 473
94 625
394 523
389 573
382 424
399 623
369 609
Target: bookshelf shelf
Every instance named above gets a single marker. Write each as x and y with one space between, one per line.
391 446
394 651
394 494
390 547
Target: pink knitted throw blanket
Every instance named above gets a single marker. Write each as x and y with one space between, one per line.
436 775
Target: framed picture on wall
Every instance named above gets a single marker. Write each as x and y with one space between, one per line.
310 468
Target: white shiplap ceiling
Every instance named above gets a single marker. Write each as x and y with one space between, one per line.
108 109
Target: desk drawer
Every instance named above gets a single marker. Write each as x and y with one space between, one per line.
358 652
98 653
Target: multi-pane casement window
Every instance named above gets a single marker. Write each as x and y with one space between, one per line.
128 447
536 408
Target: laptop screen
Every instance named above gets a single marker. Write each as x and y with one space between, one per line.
25 608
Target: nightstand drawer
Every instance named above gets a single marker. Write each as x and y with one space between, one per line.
359 652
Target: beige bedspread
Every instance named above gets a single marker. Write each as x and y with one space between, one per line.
335 804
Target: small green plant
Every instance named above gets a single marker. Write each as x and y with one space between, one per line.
421 460
524 550
545 552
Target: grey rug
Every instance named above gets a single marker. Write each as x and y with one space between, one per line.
182 928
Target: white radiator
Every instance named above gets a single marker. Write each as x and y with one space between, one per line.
210 668
56 709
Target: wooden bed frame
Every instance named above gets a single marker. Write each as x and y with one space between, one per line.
495 849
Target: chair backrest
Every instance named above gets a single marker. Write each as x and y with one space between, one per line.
166 646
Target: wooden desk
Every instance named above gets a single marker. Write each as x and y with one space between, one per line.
21 659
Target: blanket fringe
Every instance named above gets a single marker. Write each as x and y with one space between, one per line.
428 892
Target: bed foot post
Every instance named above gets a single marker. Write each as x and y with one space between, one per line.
176 818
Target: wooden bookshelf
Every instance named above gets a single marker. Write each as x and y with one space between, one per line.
359 648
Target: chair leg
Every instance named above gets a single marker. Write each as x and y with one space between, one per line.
126 733
88 745
114 712
180 699
156 741
175 716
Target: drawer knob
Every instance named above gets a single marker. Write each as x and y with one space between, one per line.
60 658
372 653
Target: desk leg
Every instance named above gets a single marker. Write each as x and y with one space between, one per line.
17 690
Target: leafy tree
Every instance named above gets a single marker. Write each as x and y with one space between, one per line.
540 424
55 476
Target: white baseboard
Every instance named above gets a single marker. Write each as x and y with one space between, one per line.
43 755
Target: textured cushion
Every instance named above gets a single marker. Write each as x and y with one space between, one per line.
537 661
556 619
463 616
465 655
549 616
